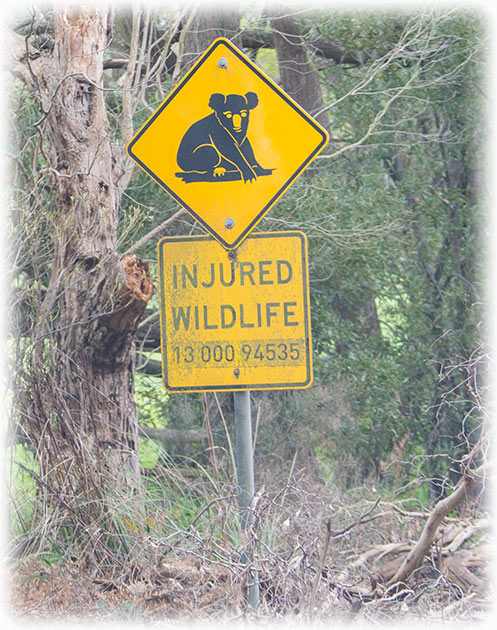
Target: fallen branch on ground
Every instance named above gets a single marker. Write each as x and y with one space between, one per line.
415 557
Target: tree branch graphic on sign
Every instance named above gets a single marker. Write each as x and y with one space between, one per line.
216 148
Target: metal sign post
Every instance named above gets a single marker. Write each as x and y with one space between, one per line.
236 321
226 144
246 488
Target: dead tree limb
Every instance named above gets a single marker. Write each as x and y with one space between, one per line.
173 435
415 557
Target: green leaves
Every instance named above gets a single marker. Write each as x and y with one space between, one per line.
392 222
391 215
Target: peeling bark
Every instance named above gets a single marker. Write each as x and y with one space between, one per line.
80 414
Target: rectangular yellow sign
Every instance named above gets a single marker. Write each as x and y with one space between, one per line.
235 320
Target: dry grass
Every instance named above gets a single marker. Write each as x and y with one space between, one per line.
320 555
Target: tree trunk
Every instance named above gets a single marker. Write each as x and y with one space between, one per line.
80 414
207 23
298 77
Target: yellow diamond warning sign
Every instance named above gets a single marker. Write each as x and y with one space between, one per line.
226 143
234 320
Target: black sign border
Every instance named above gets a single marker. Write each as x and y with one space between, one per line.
210 51
307 324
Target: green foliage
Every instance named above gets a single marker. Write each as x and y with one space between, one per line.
392 228
267 62
151 399
393 219
21 461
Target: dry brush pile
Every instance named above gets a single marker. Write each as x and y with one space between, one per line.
318 554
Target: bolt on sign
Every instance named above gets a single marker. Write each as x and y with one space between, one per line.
235 320
226 143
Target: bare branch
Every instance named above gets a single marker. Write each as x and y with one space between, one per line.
441 510
129 106
173 435
22 60
155 231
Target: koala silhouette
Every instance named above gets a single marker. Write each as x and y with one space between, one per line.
216 148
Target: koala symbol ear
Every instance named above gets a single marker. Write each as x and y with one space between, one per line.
216 101
252 100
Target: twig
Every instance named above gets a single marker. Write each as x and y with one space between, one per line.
210 439
207 507
148 319
319 572
329 535
256 428
228 439
154 232
360 521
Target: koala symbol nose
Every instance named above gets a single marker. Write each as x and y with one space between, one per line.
237 122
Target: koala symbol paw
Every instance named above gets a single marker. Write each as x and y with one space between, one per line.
219 171
249 175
